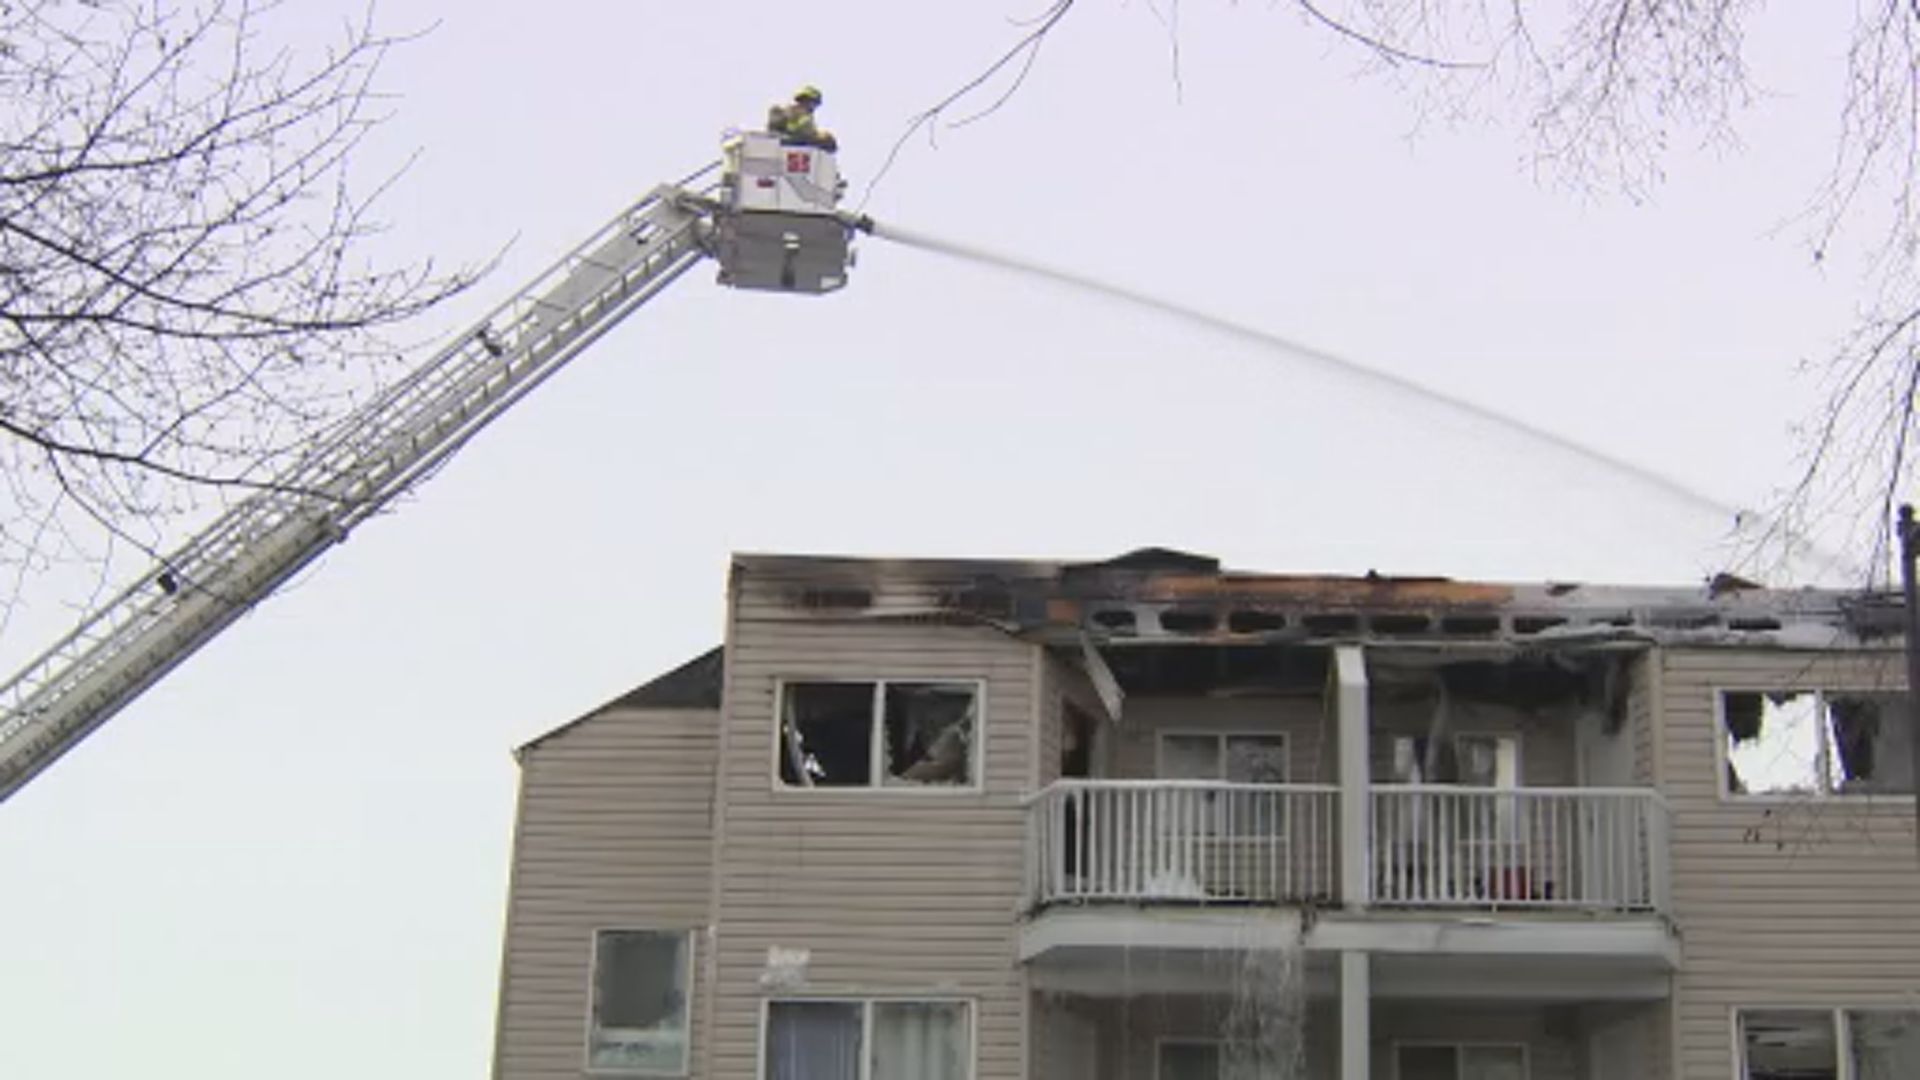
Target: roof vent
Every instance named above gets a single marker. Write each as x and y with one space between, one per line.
1255 622
1188 621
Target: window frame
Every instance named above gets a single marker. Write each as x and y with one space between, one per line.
1519 741
876 748
1840 1015
1517 736
1526 1050
1161 1041
866 1003
1220 735
1722 762
691 939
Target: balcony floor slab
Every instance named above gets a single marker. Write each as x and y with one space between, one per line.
1105 950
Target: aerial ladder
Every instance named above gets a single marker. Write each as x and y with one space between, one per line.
767 213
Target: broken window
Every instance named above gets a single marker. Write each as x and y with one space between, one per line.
1805 1044
881 732
929 733
1817 743
639 1009
826 734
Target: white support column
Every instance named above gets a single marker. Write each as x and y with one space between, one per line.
1350 696
1356 1016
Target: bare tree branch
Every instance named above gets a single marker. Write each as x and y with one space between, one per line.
185 302
1379 46
1023 51
1605 88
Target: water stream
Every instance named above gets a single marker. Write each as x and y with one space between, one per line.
1264 1030
1321 358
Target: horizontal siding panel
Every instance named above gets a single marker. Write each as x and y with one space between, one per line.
1778 902
890 891
615 829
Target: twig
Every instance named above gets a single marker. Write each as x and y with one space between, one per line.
56 446
1389 51
1028 43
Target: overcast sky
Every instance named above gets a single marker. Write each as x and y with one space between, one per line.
290 858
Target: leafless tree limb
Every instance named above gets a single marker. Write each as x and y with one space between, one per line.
1378 45
1023 53
1605 88
185 298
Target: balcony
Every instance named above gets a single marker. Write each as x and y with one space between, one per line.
1182 841
1580 849
1595 850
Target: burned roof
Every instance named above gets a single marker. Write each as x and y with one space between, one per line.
1160 595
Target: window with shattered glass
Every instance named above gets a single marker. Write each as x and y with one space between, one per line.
929 732
826 734
895 733
639 1010
1816 743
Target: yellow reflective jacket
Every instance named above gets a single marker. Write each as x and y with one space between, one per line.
797 126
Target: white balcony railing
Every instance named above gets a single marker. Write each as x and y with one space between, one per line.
1594 849
1181 840
1579 848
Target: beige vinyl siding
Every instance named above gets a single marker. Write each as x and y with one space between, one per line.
614 831
892 892
1780 902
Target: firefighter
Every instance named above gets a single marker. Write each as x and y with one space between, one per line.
794 122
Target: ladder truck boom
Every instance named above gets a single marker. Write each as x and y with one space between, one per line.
770 221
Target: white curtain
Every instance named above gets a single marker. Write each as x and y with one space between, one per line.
813 1040
919 1040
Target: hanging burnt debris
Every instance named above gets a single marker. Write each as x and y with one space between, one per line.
1159 597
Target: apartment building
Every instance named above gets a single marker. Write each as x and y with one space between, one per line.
1150 819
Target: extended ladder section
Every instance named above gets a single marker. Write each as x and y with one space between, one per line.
376 454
